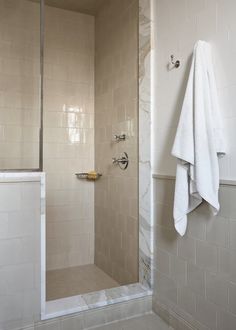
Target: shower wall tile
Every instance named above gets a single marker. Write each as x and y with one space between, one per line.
206 285
116 104
217 289
69 137
19 84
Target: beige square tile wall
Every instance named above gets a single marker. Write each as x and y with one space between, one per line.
19 84
178 25
69 137
195 276
116 86
19 254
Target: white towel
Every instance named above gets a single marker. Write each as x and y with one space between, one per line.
199 140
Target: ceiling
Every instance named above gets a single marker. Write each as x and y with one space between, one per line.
90 7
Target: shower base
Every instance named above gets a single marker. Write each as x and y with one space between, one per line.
78 280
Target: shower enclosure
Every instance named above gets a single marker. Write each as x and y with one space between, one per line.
71 89
90 95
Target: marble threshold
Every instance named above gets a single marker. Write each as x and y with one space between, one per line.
85 302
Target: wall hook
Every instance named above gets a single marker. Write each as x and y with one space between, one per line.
175 63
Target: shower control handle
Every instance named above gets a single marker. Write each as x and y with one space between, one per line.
119 160
122 162
121 137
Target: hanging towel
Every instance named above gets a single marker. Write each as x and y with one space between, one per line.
199 141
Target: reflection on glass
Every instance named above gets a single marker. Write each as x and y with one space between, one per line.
19 84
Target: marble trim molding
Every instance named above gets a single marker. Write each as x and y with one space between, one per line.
93 300
145 172
223 182
14 177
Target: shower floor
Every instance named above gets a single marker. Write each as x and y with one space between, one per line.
78 280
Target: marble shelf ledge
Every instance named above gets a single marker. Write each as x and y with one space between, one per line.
223 182
75 304
21 176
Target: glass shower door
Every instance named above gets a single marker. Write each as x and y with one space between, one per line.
19 85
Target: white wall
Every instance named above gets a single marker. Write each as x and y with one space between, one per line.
178 25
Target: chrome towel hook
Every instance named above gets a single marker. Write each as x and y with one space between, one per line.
175 63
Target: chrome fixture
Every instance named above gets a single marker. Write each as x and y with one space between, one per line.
90 176
175 63
122 162
121 137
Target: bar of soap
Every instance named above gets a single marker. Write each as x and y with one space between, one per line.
92 175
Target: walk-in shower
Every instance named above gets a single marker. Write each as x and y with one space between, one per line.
86 122
90 95
74 76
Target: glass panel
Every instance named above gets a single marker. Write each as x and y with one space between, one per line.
19 84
